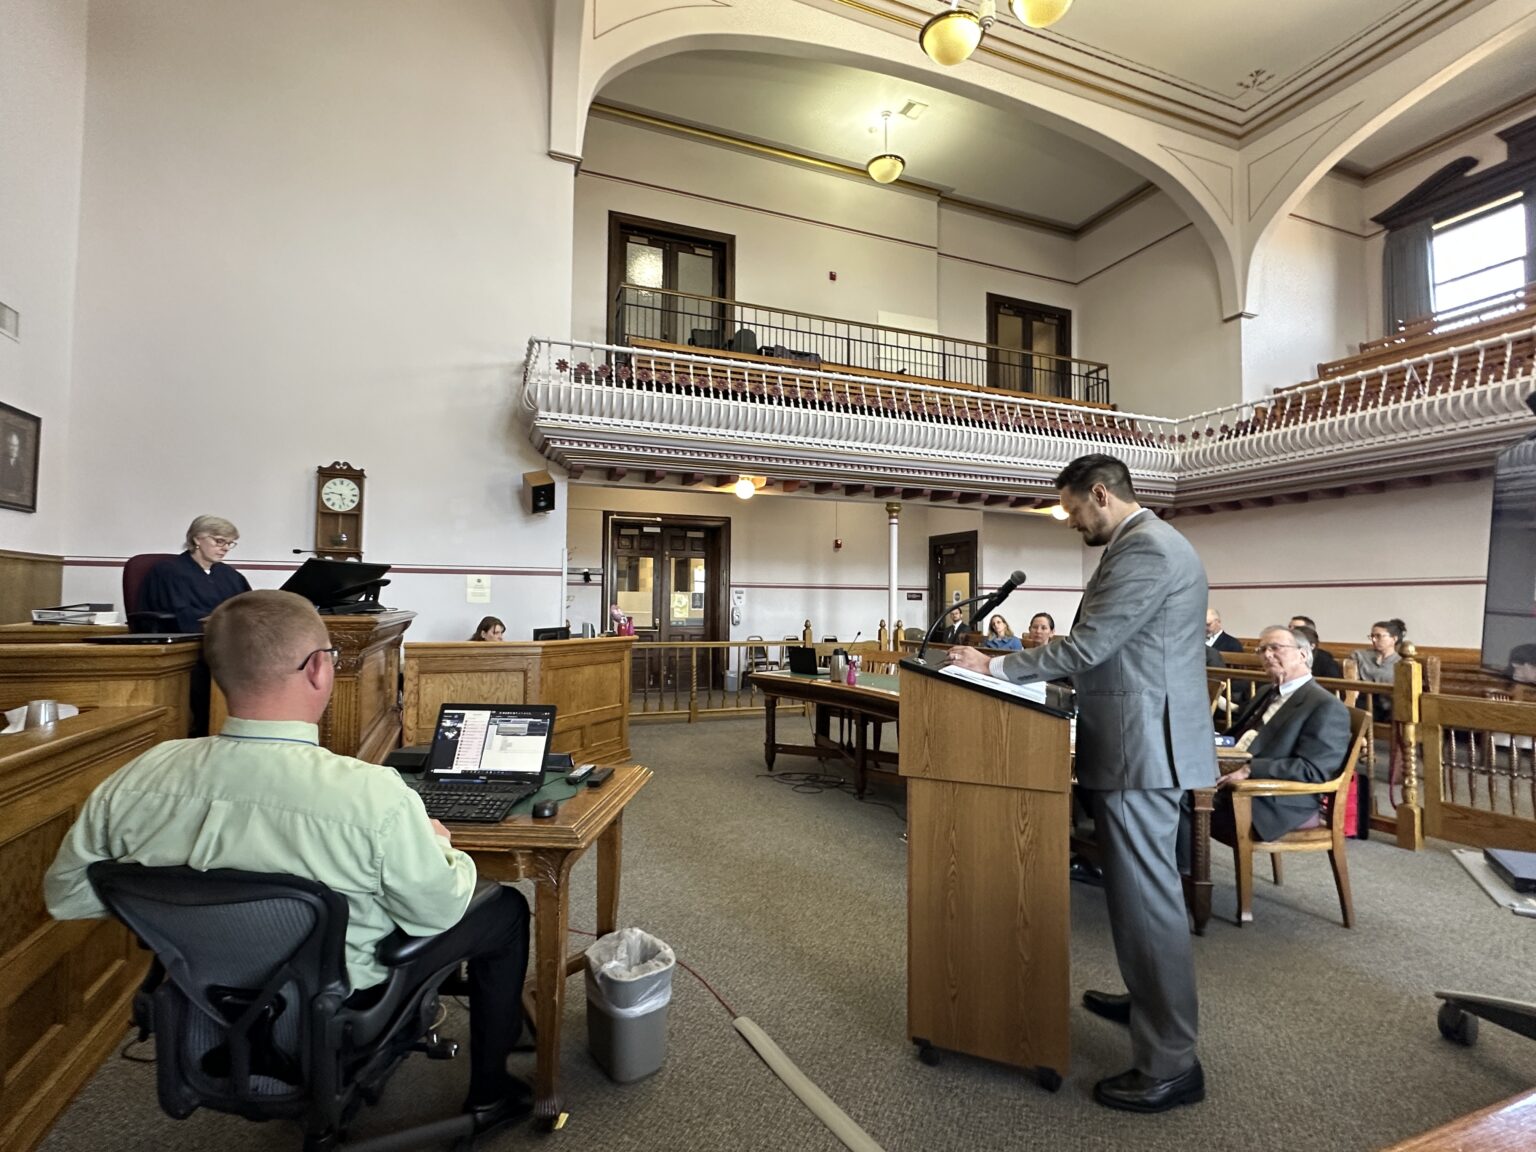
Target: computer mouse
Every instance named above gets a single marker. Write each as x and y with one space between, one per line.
545 809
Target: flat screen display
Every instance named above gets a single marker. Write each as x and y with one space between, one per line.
1509 606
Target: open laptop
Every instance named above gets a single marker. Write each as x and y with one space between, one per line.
802 661
484 759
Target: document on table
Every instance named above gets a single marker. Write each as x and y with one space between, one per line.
1034 691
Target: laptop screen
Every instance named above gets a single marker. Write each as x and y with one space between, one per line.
497 741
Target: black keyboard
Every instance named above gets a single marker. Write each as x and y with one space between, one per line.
471 804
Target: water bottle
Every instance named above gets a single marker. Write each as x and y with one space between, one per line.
853 670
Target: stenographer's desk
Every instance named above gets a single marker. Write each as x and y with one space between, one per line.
521 848
873 698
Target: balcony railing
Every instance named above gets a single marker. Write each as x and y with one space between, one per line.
709 322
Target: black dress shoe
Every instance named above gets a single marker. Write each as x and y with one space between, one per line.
515 1105
1085 871
1135 1091
1110 1005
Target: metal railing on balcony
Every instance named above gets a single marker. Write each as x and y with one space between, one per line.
710 322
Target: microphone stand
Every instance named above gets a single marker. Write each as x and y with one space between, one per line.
928 639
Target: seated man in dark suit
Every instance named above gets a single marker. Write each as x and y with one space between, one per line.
1295 730
263 796
1324 663
953 630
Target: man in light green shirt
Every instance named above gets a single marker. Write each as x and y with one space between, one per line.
263 796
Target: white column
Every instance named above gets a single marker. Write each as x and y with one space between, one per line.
893 519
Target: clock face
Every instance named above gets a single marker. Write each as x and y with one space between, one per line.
340 494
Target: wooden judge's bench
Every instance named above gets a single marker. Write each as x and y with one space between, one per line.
56 662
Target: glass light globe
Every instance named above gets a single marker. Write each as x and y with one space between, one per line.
1058 513
885 168
951 36
745 489
1039 13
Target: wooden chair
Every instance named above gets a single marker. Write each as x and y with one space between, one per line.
1327 835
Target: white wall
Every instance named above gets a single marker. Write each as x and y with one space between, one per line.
1420 554
42 88
314 233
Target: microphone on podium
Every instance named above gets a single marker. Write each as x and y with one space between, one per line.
998 597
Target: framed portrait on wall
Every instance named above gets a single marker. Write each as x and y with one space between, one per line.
19 435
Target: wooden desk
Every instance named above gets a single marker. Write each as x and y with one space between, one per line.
1509 1126
544 851
874 698
104 676
586 680
56 633
65 986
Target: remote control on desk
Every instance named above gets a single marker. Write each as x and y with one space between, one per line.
580 774
596 779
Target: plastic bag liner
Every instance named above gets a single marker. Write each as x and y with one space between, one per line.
629 973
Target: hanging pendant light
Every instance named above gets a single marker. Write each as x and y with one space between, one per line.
950 37
1039 13
886 167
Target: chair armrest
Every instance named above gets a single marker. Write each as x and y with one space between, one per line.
1254 787
398 948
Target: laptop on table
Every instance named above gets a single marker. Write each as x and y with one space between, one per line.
485 758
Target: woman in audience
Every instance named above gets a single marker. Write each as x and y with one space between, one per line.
489 629
1000 636
1041 627
1378 663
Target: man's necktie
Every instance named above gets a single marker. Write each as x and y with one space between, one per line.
1268 705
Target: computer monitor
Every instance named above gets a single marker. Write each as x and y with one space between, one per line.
339 586
561 633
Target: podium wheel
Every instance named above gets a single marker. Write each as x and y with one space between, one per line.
1457 1026
927 1053
1048 1078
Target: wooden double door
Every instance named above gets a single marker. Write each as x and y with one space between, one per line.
671 577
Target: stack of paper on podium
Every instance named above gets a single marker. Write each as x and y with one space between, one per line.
1033 691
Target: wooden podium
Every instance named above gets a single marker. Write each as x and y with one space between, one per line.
988 812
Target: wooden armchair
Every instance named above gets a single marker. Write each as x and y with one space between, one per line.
1327 835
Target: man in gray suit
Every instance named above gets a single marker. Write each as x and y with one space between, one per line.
1144 736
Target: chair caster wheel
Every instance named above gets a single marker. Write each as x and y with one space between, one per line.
1457 1026
927 1053
1048 1078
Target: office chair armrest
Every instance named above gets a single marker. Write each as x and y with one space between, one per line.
397 948
1254 787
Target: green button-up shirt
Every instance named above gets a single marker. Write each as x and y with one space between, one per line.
263 796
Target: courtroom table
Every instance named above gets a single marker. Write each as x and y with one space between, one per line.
65 986
1509 1126
544 851
873 698
587 681
363 717
100 675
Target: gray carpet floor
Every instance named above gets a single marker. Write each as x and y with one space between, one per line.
791 903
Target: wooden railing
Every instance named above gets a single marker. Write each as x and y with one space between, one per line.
1480 771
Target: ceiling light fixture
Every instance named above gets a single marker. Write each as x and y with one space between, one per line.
950 37
886 167
1057 511
745 488
1039 13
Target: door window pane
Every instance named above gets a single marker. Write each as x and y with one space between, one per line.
636 594
687 592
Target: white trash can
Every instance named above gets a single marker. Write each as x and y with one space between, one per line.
629 985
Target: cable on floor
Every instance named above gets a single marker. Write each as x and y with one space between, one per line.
815 783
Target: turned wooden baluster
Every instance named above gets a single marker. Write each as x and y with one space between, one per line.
1407 686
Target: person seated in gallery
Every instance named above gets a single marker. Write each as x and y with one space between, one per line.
1042 627
1323 662
192 585
953 630
489 628
1294 730
1522 666
1378 664
263 796
1000 637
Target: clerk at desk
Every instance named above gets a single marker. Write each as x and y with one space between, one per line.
198 581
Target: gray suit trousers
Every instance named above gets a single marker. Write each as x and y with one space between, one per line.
1137 832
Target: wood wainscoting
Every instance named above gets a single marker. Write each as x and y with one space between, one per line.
28 580
65 986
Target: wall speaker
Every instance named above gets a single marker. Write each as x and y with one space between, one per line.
538 492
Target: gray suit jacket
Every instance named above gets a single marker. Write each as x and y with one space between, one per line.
1306 740
1136 656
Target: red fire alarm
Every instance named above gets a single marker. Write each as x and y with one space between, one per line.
831 275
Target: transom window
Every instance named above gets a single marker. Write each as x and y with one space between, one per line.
1480 255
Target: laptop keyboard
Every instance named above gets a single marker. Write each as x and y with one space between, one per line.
469 804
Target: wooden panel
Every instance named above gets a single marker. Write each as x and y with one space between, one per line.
586 680
28 580
56 633
104 676
64 987
950 732
1506 1127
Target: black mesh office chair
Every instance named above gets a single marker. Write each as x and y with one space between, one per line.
249 1003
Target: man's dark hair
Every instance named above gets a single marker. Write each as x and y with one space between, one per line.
1083 473
1306 630
1308 621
